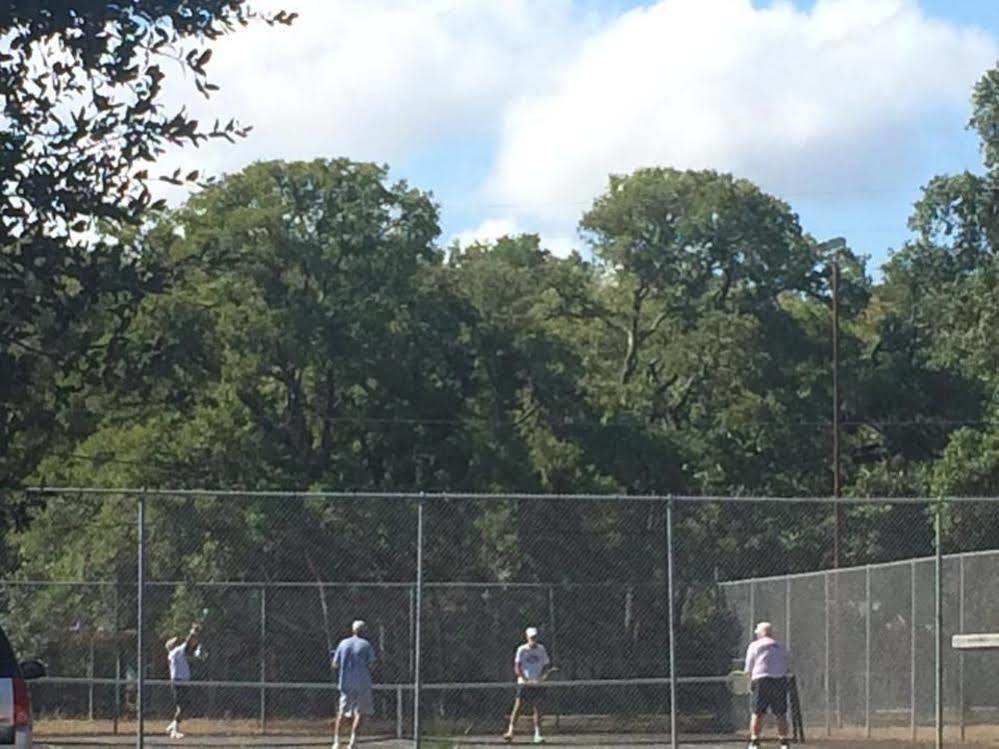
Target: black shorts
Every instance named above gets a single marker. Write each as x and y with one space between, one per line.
530 695
770 693
181 695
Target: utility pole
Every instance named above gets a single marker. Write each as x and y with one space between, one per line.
835 246
837 487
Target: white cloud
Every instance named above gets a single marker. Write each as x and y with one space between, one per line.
833 100
827 100
379 79
492 229
558 244
489 230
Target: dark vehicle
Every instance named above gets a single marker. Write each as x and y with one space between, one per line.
15 701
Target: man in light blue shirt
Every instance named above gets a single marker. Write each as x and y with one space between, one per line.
353 660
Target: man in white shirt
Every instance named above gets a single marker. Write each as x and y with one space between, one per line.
768 664
531 664
178 653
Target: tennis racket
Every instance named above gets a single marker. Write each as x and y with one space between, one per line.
199 622
738 683
797 719
201 618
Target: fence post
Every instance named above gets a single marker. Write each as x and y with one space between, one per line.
398 712
140 625
837 685
412 632
938 614
962 707
418 623
90 675
117 693
553 639
117 663
671 623
787 612
867 651
825 676
752 623
552 630
912 648
263 658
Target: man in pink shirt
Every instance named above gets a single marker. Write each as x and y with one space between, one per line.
768 663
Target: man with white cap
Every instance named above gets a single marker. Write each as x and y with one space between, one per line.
353 660
768 664
531 665
178 654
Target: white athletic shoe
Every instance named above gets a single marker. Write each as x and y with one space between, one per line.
352 744
539 739
175 734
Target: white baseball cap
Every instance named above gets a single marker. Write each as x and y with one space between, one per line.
763 628
531 632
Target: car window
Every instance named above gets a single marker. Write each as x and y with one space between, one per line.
8 663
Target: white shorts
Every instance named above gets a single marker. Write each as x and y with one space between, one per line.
356 701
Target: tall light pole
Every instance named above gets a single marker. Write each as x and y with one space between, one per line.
834 247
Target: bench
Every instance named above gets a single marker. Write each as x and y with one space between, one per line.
971 642
980 641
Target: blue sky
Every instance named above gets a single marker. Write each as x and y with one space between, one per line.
513 112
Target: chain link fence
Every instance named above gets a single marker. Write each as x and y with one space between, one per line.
864 642
101 580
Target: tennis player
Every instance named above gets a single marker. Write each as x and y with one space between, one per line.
531 665
353 659
178 654
768 663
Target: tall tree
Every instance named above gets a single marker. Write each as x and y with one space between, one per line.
84 119
935 324
305 317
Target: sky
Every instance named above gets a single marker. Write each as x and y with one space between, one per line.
513 112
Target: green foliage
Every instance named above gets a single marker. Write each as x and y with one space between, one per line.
84 120
314 335
939 329
297 325
700 240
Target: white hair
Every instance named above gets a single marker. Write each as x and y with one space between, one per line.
357 626
764 629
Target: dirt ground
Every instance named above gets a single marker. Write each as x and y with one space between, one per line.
53 733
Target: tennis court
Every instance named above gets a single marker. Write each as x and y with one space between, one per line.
200 732
863 638
590 742
476 730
